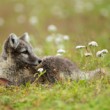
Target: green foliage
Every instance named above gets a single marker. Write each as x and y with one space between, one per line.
69 95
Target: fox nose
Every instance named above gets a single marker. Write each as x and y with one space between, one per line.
39 61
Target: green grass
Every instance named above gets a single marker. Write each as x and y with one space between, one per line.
82 27
68 96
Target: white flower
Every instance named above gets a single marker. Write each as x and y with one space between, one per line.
66 37
61 51
58 39
40 69
52 28
93 43
104 51
88 54
101 53
49 38
33 20
80 46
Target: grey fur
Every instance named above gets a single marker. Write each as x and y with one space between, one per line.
60 69
18 65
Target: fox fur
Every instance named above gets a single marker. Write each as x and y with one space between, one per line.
17 60
20 65
61 69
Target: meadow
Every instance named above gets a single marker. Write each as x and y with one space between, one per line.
69 26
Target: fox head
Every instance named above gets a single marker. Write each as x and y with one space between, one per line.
20 50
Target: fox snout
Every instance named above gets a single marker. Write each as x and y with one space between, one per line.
37 62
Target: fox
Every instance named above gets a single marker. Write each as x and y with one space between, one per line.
17 60
20 65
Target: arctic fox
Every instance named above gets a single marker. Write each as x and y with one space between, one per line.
19 65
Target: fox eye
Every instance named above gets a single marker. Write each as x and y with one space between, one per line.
25 52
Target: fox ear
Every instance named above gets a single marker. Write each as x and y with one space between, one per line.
25 37
13 40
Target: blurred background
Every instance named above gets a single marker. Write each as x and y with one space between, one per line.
81 20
